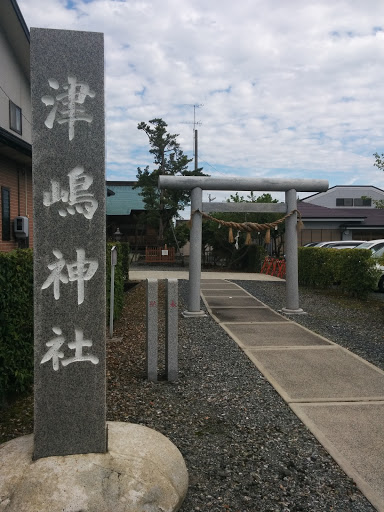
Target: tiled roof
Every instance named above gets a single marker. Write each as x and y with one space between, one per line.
125 200
366 216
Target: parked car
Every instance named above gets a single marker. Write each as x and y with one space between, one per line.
374 245
344 244
377 249
321 244
339 244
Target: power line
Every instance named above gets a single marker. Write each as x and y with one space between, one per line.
204 162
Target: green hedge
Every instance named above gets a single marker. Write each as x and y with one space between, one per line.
16 313
121 276
354 270
358 272
125 255
16 321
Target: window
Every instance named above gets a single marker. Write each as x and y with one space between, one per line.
14 117
342 201
5 213
366 201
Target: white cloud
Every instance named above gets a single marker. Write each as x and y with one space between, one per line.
290 89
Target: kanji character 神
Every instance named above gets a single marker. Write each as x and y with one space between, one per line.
81 270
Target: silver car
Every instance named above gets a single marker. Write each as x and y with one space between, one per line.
377 249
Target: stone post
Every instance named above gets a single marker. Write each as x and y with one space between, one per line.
152 329
171 330
67 86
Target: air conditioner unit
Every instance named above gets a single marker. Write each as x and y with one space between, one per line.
21 227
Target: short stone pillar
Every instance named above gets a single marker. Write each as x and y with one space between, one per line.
67 82
171 330
152 348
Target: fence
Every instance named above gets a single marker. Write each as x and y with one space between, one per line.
274 267
159 255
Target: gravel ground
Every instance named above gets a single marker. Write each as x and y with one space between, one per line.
244 448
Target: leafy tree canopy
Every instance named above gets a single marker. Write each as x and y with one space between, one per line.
169 159
216 236
379 203
379 161
251 198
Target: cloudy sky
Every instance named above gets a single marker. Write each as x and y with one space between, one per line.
282 88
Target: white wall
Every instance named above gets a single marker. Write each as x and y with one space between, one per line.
16 86
328 199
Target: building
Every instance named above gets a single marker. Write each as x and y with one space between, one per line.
347 196
342 213
15 126
126 217
125 208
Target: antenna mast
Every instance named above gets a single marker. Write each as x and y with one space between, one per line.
195 134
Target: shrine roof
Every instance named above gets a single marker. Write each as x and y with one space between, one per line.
125 198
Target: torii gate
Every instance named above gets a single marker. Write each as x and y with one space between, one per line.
197 184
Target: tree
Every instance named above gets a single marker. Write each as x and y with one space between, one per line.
379 203
216 236
178 236
169 159
264 198
379 163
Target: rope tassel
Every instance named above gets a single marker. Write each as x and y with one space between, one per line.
230 236
248 238
267 238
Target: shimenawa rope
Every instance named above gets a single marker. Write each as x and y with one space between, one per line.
249 227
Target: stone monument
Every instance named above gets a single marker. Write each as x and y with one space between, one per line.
67 82
142 470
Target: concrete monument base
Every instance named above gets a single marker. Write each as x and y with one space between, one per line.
142 472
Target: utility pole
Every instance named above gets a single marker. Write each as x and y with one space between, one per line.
195 134
196 152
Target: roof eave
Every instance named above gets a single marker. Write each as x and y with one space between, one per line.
21 19
333 219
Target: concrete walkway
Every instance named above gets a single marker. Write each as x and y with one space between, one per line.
338 395
138 275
